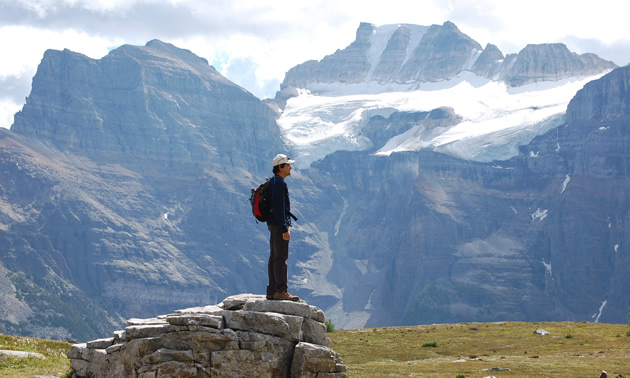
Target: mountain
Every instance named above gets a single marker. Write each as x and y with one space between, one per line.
506 221
435 182
123 176
408 54
502 102
422 237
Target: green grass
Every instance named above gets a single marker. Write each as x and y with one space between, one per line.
465 349
56 362
450 350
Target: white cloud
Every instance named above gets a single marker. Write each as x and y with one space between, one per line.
255 42
26 46
7 109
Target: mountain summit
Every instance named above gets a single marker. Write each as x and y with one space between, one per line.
499 102
120 175
412 54
123 108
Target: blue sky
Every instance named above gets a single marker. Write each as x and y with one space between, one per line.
255 42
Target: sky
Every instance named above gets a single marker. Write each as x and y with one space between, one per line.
255 42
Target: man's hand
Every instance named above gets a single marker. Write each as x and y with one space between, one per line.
286 235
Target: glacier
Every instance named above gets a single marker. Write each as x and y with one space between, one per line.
495 118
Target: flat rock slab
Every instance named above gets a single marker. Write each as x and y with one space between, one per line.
21 354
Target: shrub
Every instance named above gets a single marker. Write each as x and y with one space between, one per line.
432 344
330 327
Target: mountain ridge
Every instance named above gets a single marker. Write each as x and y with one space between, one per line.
499 102
134 170
442 52
128 179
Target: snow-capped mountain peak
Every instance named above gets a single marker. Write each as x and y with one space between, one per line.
499 102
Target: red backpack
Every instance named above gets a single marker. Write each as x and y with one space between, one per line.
261 200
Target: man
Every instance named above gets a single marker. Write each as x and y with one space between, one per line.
278 224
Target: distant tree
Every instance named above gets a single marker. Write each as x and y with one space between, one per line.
330 327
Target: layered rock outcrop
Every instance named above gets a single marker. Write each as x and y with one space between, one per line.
489 62
162 105
124 184
603 100
551 62
443 52
349 65
412 54
243 336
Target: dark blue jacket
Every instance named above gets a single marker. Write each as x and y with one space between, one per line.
280 204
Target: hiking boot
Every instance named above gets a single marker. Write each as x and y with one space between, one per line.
269 297
285 296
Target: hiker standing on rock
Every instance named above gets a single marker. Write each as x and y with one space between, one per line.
278 224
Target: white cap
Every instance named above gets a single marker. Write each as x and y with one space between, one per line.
282 159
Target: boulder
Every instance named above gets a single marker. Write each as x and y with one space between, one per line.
4 354
245 335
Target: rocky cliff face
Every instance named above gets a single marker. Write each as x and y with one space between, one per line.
121 175
124 105
442 53
552 62
602 100
349 65
421 237
489 62
411 54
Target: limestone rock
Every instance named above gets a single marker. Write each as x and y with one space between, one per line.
244 336
412 54
393 56
552 62
311 360
19 354
349 65
441 54
489 62
602 100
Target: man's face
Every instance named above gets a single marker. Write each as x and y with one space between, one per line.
285 170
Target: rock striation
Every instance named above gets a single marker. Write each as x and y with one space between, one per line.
602 100
120 177
412 54
551 62
162 105
243 336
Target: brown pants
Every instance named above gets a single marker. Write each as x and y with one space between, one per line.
278 255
